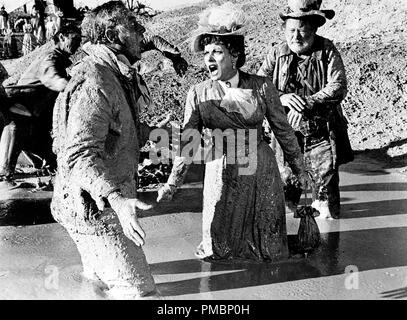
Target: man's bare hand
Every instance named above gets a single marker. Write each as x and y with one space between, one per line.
293 101
294 118
180 65
126 210
305 181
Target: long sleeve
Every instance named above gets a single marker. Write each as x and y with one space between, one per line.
268 65
86 133
192 125
282 130
50 76
336 88
154 42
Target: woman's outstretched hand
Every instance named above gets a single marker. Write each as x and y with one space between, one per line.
166 193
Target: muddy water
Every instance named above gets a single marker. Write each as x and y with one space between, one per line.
362 255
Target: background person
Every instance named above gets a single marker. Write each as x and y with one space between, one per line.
309 74
29 39
50 27
30 118
4 22
9 45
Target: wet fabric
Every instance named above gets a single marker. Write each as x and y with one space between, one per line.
325 177
37 93
243 214
320 80
308 235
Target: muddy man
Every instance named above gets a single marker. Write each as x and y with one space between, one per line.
97 136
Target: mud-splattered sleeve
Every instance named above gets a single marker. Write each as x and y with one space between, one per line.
191 128
87 129
336 88
277 118
154 42
50 76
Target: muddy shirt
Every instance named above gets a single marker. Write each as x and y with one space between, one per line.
49 71
324 71
95 134
42 81
321 80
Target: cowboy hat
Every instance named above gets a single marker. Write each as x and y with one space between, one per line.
224 20
298 9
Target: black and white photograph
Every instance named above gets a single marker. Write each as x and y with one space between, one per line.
225 152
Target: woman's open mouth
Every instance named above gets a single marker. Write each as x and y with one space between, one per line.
213 69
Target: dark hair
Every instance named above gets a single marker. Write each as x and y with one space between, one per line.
66 30
234 43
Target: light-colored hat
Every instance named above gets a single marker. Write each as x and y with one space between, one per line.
225 20
298 9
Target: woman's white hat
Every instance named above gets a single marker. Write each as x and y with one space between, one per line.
225 20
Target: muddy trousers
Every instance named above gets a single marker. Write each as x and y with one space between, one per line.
110 257
319 164
325 187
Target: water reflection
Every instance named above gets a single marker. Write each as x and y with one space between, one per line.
358 248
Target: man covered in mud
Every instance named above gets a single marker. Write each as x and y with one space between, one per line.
155 42
309 74
31 101
97 134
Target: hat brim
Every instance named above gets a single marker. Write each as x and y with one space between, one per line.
196 43
320 16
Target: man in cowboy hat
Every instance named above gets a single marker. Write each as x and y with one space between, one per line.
309 74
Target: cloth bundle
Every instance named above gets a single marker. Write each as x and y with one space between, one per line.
309 237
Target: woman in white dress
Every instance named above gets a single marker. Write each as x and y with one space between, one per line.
29 40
